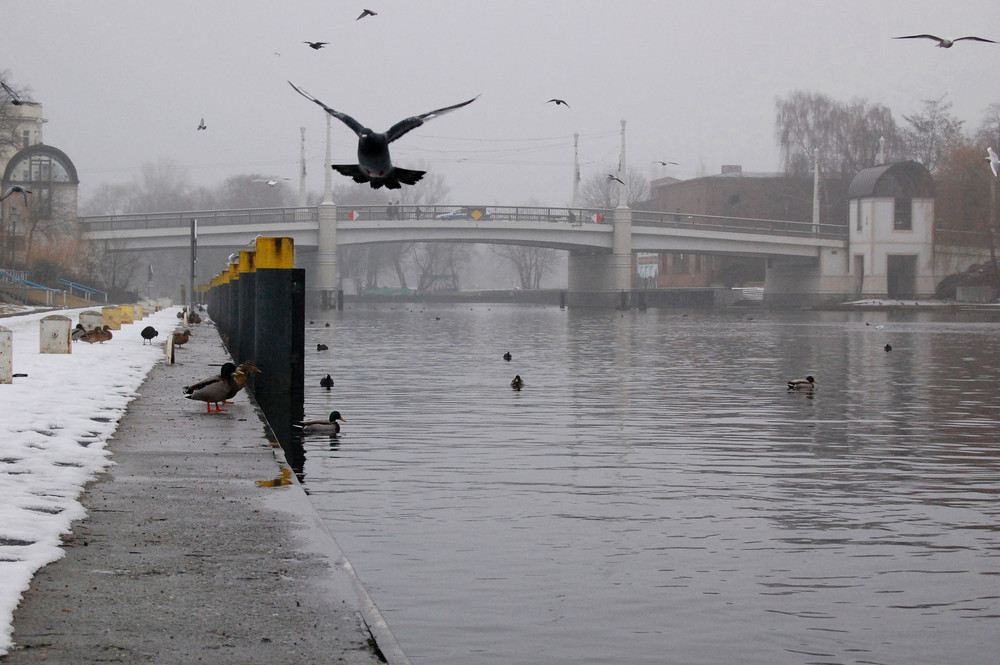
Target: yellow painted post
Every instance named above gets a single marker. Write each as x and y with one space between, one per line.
112 317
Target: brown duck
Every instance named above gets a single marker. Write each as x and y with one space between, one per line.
181 338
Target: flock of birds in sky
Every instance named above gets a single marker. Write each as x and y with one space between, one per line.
374 162
376 168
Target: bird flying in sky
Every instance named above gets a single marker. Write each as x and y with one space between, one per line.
946 43
615 178
558 102
374 164
662 163
365 13
15 99
202 125
271 182
994 161
316 45
16 189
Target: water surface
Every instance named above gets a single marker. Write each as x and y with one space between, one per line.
654 494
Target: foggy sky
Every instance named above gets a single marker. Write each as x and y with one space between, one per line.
125 82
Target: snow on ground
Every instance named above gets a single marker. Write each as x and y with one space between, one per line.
53 427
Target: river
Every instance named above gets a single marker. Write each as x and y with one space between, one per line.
654 494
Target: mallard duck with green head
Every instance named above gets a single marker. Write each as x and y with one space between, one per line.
330 426
214 389
808 383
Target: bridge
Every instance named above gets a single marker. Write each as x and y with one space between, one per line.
600 242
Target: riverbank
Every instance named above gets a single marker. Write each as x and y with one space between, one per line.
198 545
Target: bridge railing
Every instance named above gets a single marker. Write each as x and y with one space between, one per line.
162 220
683 220
475 213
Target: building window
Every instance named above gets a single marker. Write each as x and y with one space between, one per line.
858 227
25 138
902 215
680 264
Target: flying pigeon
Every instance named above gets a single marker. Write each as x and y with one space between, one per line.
202 125
316 45
558 102
15 99
615 178
374 164
365 13
991 158
946 43
271 182
662 163
16 189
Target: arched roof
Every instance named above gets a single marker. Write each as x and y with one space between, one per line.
38 150
899 180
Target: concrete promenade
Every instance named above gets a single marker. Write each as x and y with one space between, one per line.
194 551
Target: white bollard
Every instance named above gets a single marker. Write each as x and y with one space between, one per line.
91 319
55 334
6 355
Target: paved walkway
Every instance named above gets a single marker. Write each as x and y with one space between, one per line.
186 558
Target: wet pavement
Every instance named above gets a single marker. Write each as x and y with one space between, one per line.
199 546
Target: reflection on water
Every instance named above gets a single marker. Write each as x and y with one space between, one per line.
654 493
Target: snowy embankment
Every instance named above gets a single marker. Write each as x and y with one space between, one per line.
54 424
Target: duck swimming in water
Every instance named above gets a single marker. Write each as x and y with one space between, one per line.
507 356
808 383
330 426
214 389
517 383
326 382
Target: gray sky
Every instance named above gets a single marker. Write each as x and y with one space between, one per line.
125 82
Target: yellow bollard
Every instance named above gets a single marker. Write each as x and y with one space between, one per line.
112 317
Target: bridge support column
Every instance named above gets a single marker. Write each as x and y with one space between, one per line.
327 281
803 282
598 278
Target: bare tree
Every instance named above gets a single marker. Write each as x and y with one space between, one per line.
932 133
530 262
438 261
600 191
989 131
847 135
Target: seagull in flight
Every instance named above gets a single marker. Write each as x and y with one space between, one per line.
316 45
993 160
946 43
202 125
365 13
16 189
662 163
271 182
15 99
558 102
374 164
615 178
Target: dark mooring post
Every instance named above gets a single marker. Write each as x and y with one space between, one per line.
279 334
233 314
194 265
246 293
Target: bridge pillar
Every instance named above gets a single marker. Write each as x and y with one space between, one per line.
327 280
803 282
598 278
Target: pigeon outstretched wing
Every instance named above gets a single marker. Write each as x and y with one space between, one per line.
403 126
355 126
